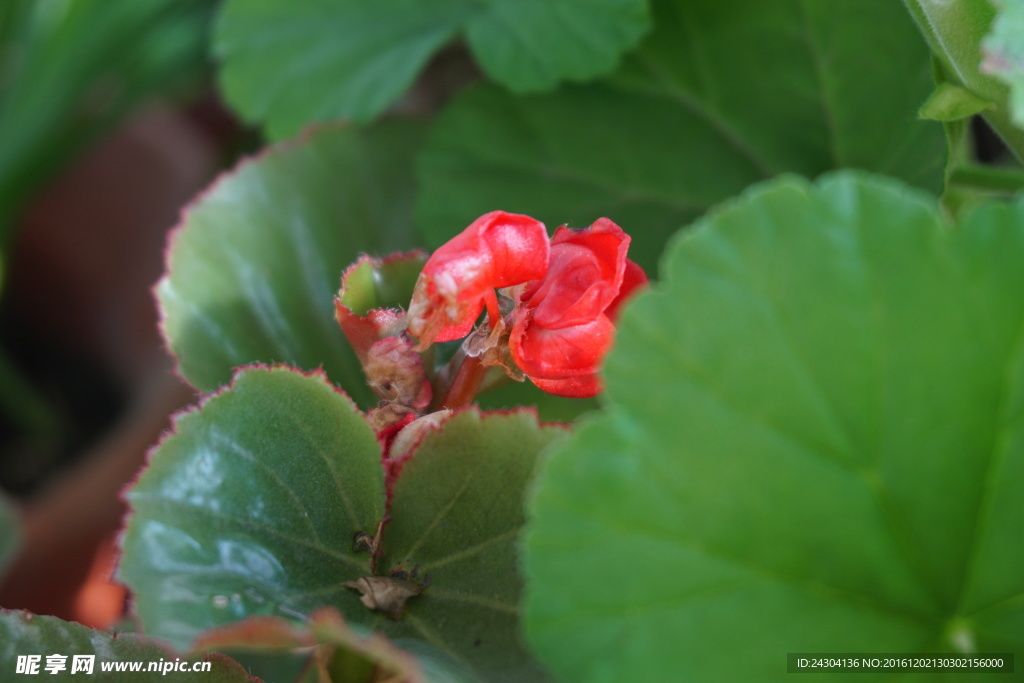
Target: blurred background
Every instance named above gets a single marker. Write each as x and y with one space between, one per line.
109 124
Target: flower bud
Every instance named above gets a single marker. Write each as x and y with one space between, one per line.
365 308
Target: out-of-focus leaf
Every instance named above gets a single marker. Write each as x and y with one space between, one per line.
290 64
255 266
531 45
720 95
951 103
59 643
812 443
70 68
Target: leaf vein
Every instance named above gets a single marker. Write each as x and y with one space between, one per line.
716 120
472 550
234 447
766 574
827 108
474 599
998 453
445 510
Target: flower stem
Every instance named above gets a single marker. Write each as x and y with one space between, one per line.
468 372
989 178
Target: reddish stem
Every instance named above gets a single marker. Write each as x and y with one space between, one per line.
465 385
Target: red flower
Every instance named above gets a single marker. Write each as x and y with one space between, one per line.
564 321
567 295
497 250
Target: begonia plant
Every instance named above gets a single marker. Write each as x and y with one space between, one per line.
686 339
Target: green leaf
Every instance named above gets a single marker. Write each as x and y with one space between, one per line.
10 533
252 505
951 103
255 266
813 443
456 514
289 64
719 96
1004 53
532 45
23 634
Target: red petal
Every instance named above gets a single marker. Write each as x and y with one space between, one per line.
519 247
497 250
469 316
634 278
557 354
603 237
583 386
584 276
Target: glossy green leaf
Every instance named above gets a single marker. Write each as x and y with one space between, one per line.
289 64
813 443
23 635
1004 53
455 519
10 533
720 95
255 266
955 31
251 507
